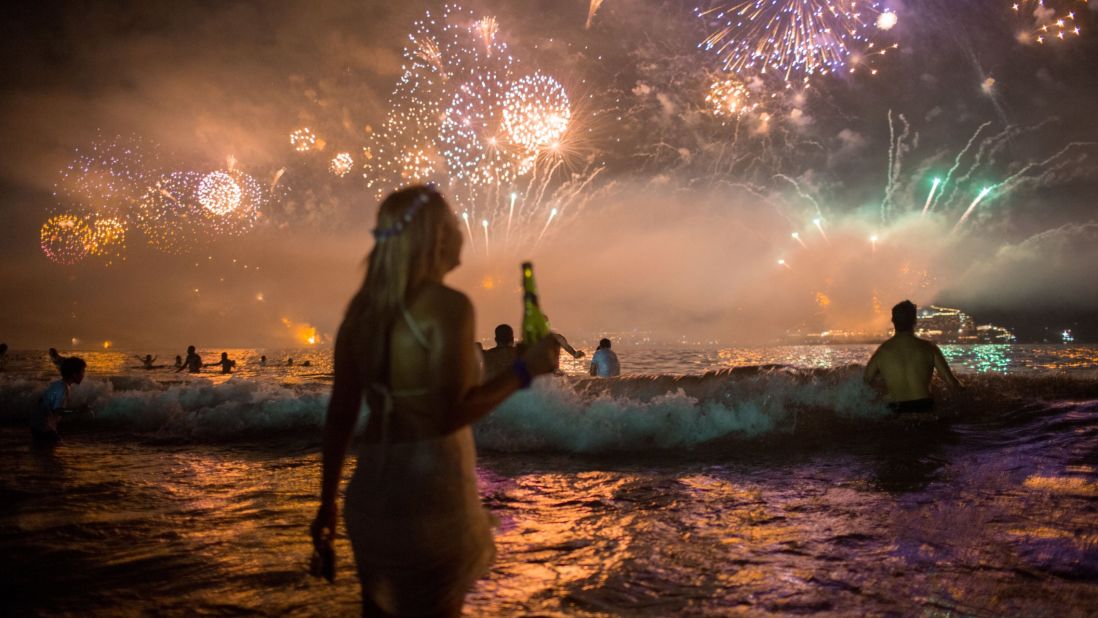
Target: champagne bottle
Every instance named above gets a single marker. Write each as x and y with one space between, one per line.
535 326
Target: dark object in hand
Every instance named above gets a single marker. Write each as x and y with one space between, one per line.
323 562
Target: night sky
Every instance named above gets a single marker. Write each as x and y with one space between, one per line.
691 214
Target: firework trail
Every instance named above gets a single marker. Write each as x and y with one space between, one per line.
957 161
592 8
896 148
801 38
1022 175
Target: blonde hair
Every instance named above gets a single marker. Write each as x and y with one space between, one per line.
410 224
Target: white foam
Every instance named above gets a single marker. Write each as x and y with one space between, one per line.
554 415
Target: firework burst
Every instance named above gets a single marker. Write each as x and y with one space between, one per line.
341 164
455 73
801 38
303 140
219 193
536 112
65 239
107 177
729 97
107 239
170 217
1047 21
243 217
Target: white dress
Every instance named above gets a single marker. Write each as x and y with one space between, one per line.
420 534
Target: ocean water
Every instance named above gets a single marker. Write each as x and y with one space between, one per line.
708 481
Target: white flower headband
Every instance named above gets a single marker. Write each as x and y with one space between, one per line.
382 234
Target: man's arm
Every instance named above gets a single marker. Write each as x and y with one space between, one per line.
594 368
872 368
942 367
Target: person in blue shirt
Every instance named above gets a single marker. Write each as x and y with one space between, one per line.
55 402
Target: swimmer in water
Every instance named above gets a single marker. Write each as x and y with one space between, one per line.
225 363
604 364
54 403
263 361
567 347
56 358
193 363
148 361
907 364
500 358
178 361
3 355
290 362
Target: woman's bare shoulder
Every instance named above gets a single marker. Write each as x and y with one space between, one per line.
437 299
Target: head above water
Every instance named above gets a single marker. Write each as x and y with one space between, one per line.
190 349
604 344
505 335
903 317
72 369
224 355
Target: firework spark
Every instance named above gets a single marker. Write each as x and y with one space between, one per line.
801 38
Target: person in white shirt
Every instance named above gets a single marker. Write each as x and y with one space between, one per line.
604 363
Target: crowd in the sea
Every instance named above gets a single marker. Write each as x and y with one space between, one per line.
406 347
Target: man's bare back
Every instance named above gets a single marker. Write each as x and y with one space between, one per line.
907 364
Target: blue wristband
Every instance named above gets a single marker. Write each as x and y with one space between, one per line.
522 372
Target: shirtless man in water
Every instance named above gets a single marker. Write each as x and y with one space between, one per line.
907 363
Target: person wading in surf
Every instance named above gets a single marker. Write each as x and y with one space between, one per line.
907 364
419 532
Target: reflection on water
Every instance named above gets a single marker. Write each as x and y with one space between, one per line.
990 512
990 516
